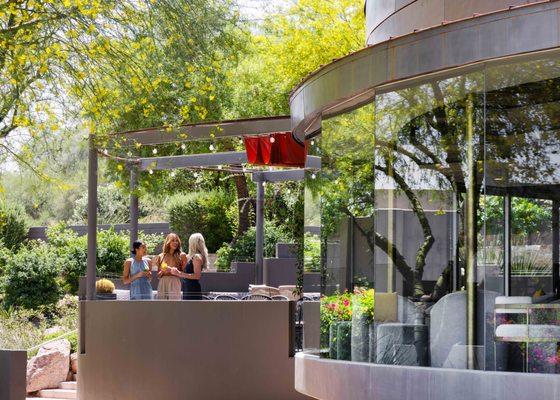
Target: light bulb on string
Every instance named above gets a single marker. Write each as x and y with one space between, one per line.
183 147
313 176
154 151
220 167
151 171
211 147
272 139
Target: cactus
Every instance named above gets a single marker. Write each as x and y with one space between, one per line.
104 286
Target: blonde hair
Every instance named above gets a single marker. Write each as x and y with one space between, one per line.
167 248
197 245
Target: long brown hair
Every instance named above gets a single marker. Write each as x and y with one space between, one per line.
167 248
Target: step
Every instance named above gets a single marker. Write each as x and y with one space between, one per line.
57 394
73 385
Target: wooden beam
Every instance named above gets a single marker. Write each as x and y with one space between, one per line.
210 130
193 160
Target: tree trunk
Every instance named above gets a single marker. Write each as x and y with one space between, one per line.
244 205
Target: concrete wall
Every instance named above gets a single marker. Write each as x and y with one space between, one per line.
332 380
38 232
13 365
311 325
205 350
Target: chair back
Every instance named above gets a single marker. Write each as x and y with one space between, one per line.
256 297
225 297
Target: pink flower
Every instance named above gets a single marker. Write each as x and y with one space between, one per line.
346 302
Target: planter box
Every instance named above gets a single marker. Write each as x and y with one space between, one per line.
105 296
360 338
343 340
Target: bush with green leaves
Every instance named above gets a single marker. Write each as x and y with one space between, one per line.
13 226
244 247
312 252
112 250
204 212
31 279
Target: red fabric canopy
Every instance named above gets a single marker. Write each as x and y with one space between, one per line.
275 149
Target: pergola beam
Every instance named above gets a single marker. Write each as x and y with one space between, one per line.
193 160
279 175
216 130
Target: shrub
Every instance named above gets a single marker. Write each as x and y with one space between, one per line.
337 307
312 253
31 278
244 247
204 212
104 286
13 226
112 250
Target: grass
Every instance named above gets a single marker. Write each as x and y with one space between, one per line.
526 260
24 329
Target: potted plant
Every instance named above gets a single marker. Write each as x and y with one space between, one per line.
104 289
335 310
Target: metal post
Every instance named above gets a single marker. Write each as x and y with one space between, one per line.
507 245
133 205
259 248
92 220
556 247
456 273
471 240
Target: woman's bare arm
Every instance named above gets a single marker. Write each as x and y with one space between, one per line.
197 266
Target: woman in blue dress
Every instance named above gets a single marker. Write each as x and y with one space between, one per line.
137 273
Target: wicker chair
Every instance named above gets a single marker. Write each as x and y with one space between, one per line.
256 297
280 297
225 297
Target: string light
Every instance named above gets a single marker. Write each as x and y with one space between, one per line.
151 171
272 140
183 147
154 151
313 176
211 147
220 167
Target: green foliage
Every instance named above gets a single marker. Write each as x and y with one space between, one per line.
244 247
204 212
312 252
529 216
364 302
294 43
13 226
112 251
337 307
31 278
113 207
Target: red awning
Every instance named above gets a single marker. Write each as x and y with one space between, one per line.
275 149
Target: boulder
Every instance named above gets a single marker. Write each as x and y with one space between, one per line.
74 363
49 367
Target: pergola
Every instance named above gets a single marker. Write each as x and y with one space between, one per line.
209 161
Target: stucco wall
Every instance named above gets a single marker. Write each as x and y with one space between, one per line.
203 350
13 364
392 18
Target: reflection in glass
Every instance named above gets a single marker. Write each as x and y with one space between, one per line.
444 198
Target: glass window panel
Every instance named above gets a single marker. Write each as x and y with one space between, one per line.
521 239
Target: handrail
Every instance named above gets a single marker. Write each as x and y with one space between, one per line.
37 347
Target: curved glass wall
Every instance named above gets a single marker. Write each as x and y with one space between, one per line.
439 228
